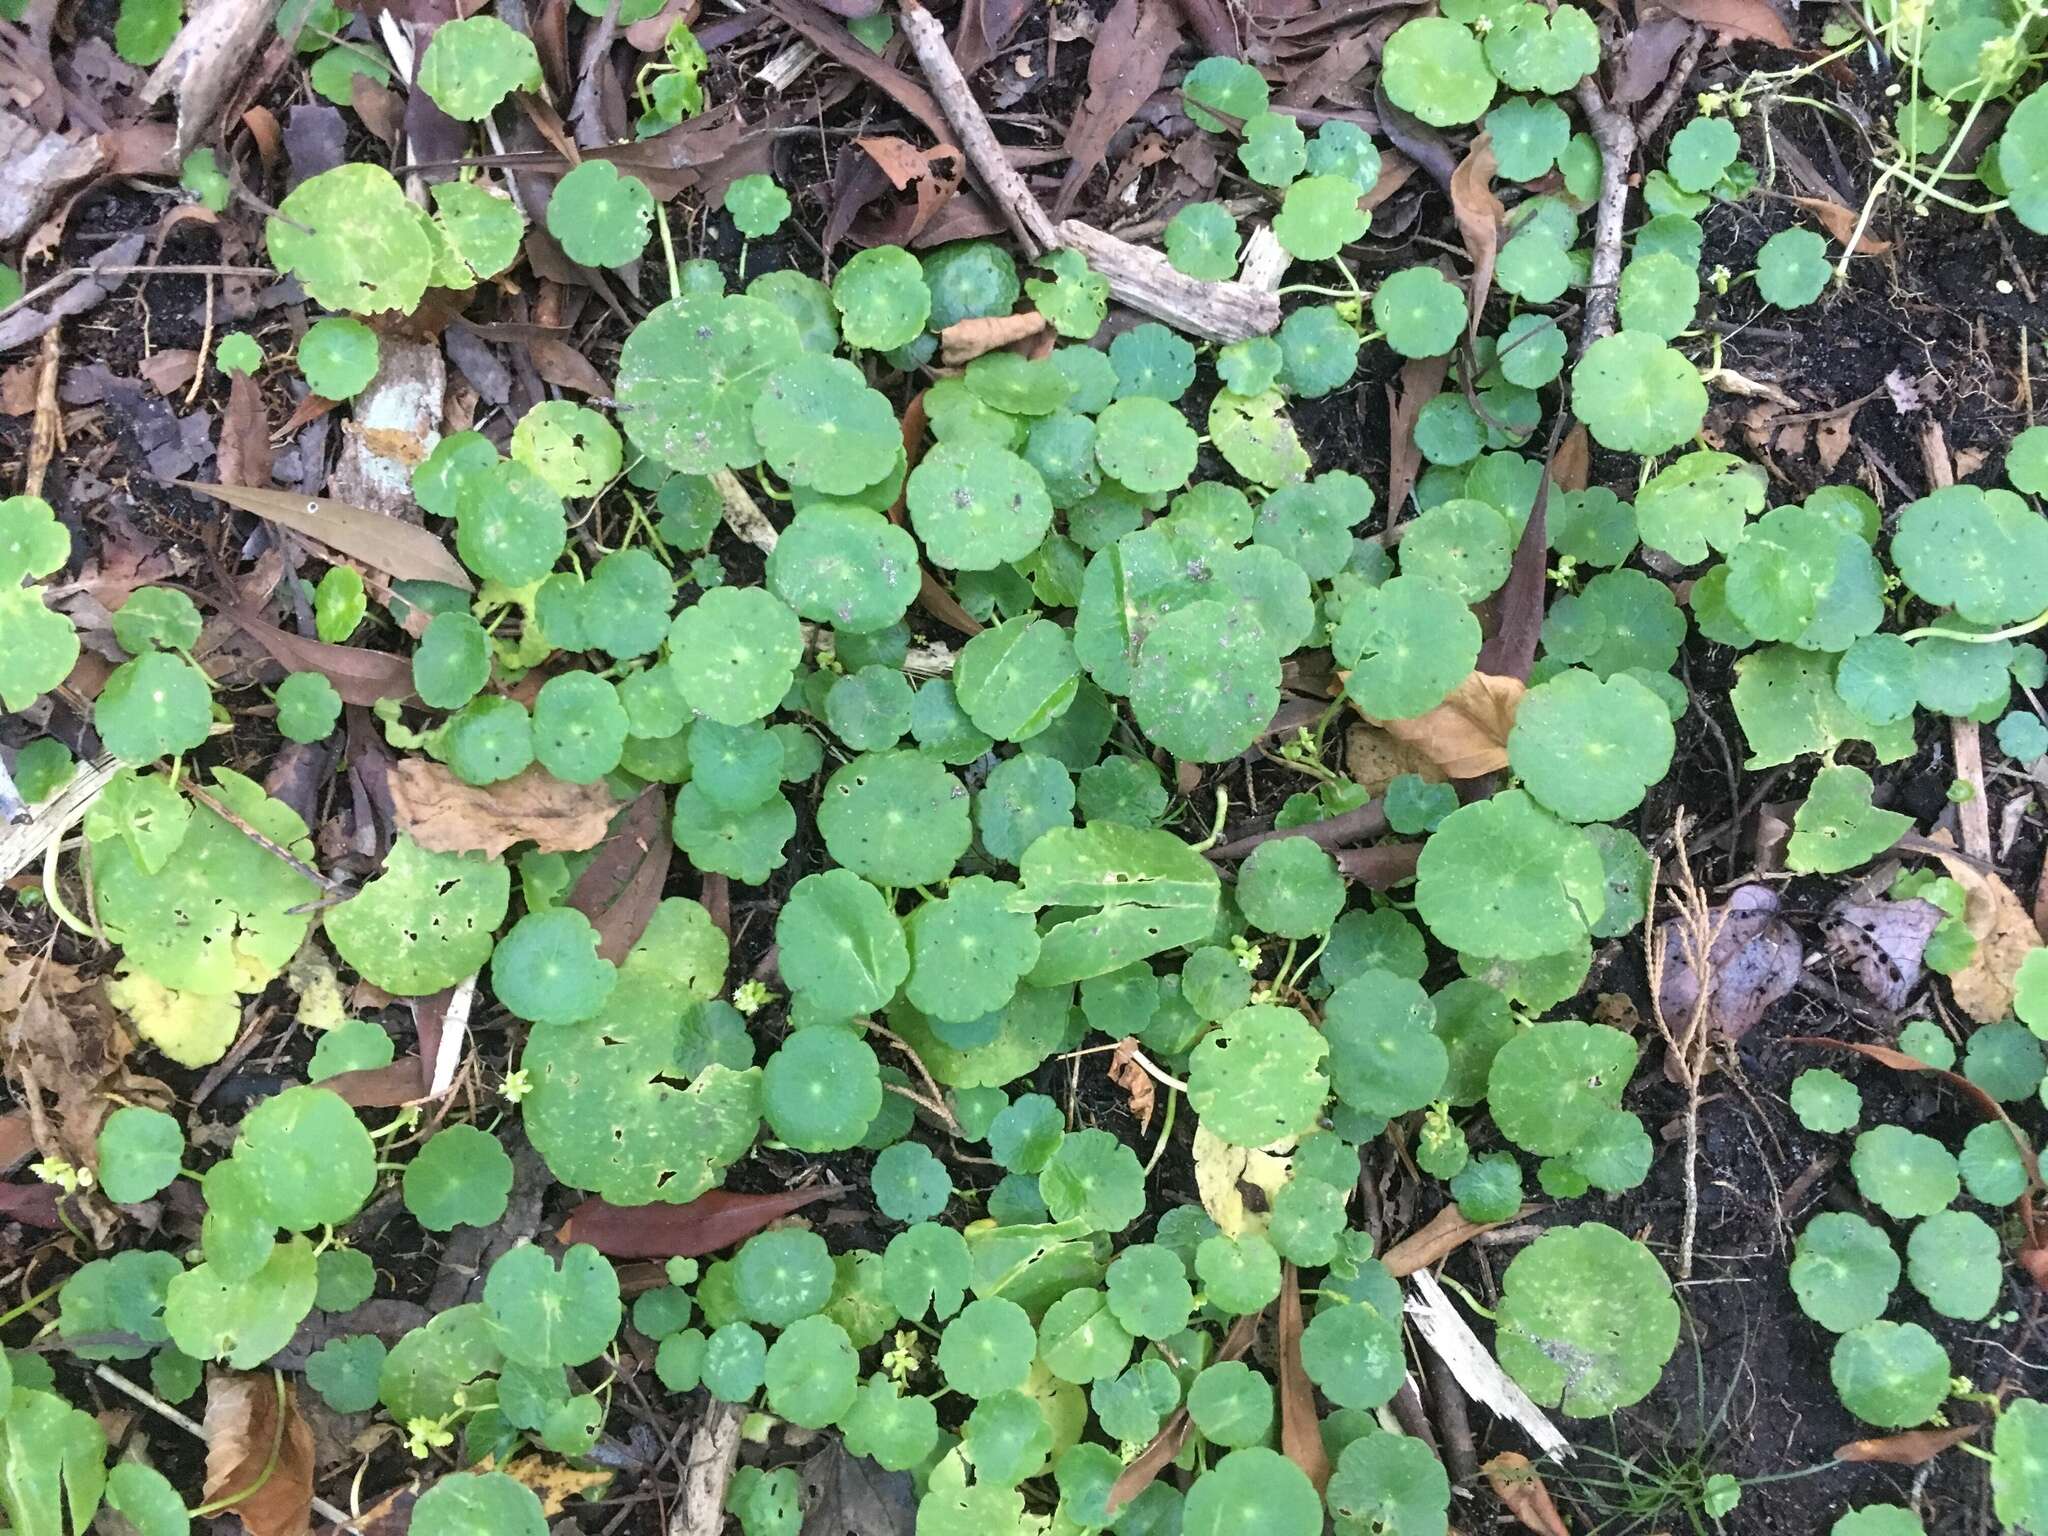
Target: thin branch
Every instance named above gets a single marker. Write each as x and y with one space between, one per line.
1616 136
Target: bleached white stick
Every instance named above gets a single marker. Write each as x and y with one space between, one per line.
1446 1332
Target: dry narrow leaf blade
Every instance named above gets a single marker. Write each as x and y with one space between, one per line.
1467 734
1480 215
1756 20
620 888
711 1222
256 1440
399 549
1516 1484
1443 1234
445 815
1300 1437
359 675
1422 379
1124 68
1914 1448
1139 1473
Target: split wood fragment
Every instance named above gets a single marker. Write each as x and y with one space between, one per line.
1447 1333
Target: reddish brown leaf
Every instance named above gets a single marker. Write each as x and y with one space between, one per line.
707 1224
1516 1484
1516 613
1840 222
256 1441
33 1205
386 1087
1139 1473
1300 1437
1443 1234
1752 19
1422 379
564 367
620 888
1132 46
1914 1448
359 675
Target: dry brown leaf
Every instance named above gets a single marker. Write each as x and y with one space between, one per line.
554 1482
1375 759
399 549
445 815
2005 933
243 458
1840 222
1914 1448
1516 1484
620 888
1300 1437
1444 1233
1480 216
965 340
1467 734
1753 19
245 1435
1135 1081
1422 378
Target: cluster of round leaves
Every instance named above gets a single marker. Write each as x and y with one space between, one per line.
1051 486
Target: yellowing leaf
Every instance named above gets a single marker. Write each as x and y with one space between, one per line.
555 1483
194 1029
1222 1172
2005 933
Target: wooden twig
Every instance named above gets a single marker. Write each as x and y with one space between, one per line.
46 434
274 849
742 514
1027 219
23 842
1137 275
707 1471
1674 85
1616 136
937 1097
1973 815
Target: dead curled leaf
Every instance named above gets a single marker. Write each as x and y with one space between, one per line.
1914 1448
445 815
555 1483
1840 222
964 340
253 1424
1752 19
1480 215
1466 735
1516 1484
1135 1081
2005 933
